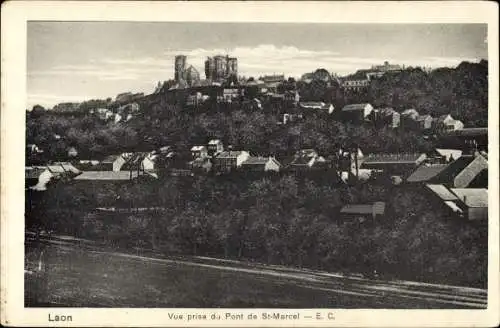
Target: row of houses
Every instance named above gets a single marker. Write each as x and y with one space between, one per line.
409 119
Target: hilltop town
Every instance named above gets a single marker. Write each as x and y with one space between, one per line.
324 171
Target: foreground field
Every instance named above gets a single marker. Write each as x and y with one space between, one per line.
78 274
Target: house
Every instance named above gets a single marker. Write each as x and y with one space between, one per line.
356 113
473 202
443 197
199 152
140 161
86 164
355 84
33 149
462 172
37 177
113 163
72 152
363 211
292 97
194 99
215 146
387 117
318 106
425 172
393 163
261 164
306 159
442 155
424 122
409 119
230 160
201 165
446 123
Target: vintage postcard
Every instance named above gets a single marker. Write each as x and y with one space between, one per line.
261 164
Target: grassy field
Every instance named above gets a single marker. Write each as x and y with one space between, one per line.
78 277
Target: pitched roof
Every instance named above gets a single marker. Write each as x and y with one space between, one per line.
426 172
197 148
106 175
393 158
472 197
410 111
441 191
468 132
214 142
111 158
353 107
424 117
230 154
259 161
449 153
459 166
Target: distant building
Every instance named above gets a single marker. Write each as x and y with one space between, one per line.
462 172
386 117
306 159
112 163
446 123
33 149
409 119
442 156
191 75
72 152
37 177
229 160
473 202
200 165
261 164
468 203
219 68
356 113
317 106
355 84
363 211
180 67
199 152
107 176
215 146
393 163
424 122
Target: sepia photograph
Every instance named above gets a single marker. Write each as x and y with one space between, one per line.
256 165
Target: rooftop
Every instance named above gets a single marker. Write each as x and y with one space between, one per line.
355 107
472 197
456 167
106 175
426 172
442 192
393 158
230 154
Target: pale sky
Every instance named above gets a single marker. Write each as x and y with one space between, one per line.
75 61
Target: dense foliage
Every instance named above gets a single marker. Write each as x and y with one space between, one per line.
280 219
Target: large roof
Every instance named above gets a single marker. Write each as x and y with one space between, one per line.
468 132
426 172
353 107
393 158
472 197
441 191
230 154
107 175
459 166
